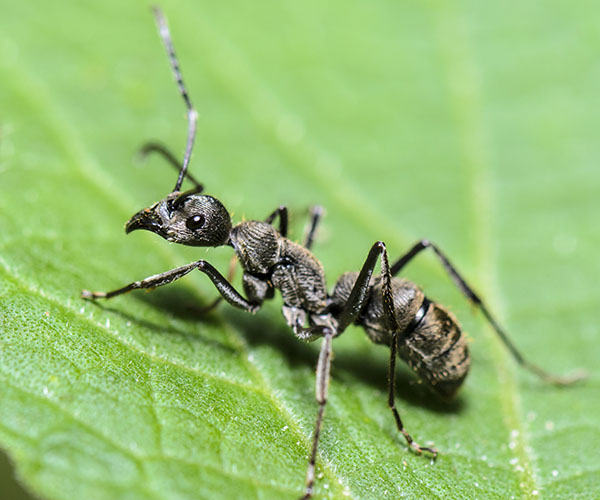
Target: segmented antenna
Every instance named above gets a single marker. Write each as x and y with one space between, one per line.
192 114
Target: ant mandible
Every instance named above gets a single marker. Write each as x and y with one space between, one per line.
393 311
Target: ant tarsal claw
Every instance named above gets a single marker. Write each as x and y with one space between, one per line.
87 295
419 450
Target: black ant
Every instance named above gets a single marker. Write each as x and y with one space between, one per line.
393 311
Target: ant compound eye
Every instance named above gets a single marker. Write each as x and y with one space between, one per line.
195 222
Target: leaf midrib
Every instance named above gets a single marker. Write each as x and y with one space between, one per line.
462 73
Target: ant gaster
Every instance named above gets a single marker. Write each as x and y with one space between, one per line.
393 311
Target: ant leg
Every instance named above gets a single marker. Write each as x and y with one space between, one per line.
474 298
354 305
352 308
225 288
150 282
282 212
316 213
192 114
321 391
157 147
388 306
358 295
230 274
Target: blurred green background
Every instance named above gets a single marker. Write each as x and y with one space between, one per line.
474 124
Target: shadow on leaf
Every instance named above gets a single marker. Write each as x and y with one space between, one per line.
350 367
10 487
177 304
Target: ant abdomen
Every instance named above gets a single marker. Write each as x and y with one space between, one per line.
437 350
430 339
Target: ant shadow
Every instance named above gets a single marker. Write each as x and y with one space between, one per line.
173 302
11 488
366 367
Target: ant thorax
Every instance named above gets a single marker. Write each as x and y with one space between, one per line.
281 264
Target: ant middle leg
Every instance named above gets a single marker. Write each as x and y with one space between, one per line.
470 294
354 304
316 213
282 212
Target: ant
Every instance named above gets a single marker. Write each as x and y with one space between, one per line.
393 311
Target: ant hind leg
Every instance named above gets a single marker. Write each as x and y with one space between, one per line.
470 294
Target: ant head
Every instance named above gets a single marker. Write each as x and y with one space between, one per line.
187 218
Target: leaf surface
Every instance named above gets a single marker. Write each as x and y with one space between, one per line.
472 125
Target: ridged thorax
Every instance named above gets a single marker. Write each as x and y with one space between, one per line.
292 269
257 245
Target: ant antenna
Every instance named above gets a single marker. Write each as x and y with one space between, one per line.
192 114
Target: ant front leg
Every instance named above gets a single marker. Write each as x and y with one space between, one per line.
230 275
280 212
147 283
226 289
470 294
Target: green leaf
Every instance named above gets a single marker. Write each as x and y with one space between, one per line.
472 124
